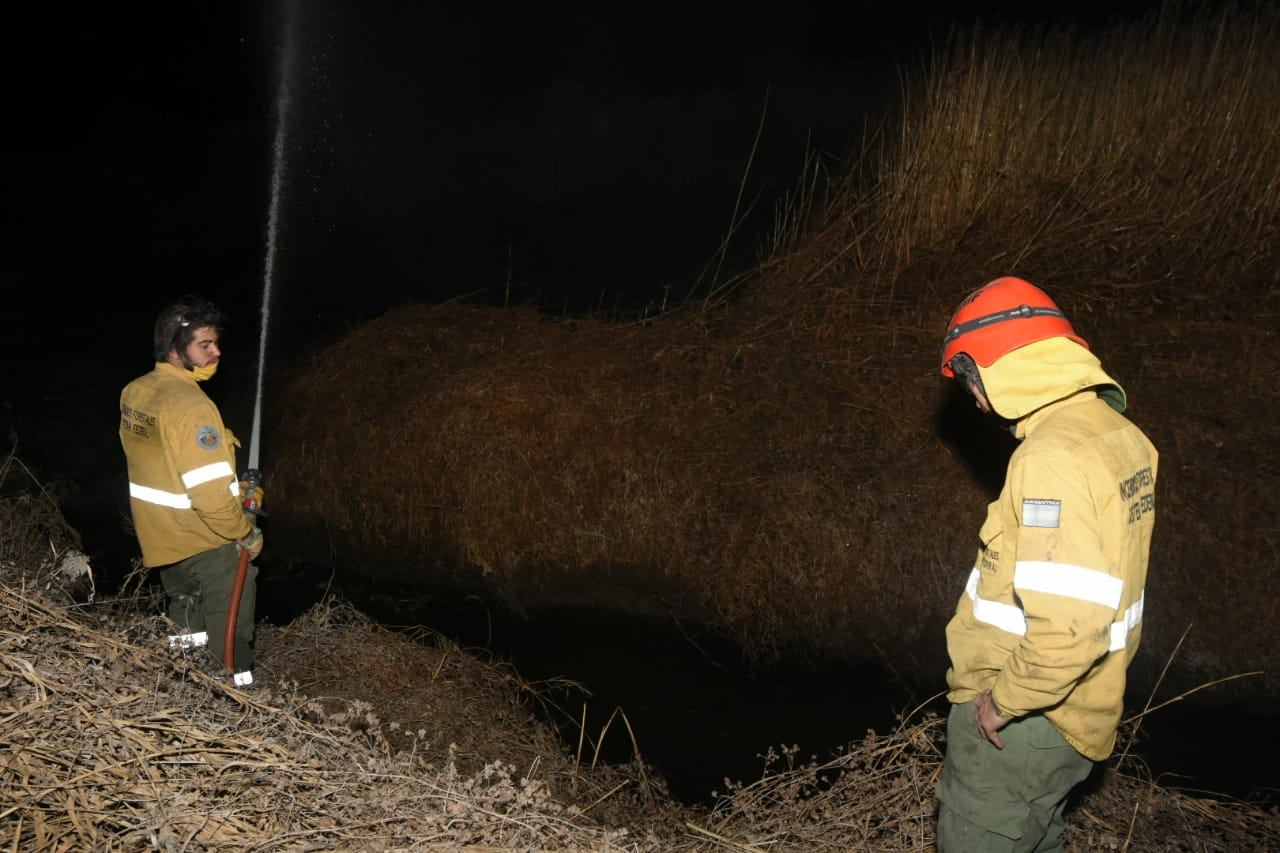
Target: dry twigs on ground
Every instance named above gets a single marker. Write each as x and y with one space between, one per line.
111 744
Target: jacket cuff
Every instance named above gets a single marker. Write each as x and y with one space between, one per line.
1001 708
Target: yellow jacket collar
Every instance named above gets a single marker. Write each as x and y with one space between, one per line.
1031 377
166 367
1027 425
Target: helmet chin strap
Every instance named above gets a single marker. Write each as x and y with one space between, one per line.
966 370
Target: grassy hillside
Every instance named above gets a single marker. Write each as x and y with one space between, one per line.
782 459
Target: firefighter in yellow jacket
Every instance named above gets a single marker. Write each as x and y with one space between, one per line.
183 490
1051 614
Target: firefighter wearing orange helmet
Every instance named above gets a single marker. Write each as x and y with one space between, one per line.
1052 611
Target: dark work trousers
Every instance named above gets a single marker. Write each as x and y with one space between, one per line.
1005 800
199 590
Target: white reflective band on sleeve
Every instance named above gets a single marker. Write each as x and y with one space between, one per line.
1069 581
1131 619
205 473
243 679
1004 616
146 494
198 640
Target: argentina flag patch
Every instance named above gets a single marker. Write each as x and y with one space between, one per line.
1041 512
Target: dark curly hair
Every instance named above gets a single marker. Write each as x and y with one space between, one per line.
177 323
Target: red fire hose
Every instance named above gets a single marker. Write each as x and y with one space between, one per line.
233 611
251 486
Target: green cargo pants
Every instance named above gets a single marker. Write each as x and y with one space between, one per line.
199 590
1005 800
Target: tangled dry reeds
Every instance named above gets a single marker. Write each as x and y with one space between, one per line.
777 461
112 745
112 742
782 461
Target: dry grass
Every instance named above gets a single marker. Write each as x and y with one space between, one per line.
34 533
113 746
878 796
112 743
782 463
1132 149
1100 161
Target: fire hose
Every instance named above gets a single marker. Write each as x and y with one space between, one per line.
251 490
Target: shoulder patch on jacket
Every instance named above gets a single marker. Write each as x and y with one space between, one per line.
1041 512
207 437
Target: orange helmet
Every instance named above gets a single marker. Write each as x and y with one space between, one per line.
1001 316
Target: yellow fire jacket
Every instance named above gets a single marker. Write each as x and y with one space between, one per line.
183 489
1052 612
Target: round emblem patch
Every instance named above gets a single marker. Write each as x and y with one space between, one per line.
208 438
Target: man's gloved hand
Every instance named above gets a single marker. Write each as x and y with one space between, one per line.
252 543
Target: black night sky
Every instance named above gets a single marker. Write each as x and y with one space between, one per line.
587 156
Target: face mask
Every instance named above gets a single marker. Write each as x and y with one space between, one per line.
206 372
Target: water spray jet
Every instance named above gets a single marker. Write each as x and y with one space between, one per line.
252 482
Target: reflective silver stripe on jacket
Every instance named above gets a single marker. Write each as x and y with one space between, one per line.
206 473
1132 618
1057 579
1068 580
191 479
146 494
1006 617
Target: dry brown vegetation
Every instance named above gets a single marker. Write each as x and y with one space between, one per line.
358 738
781 459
